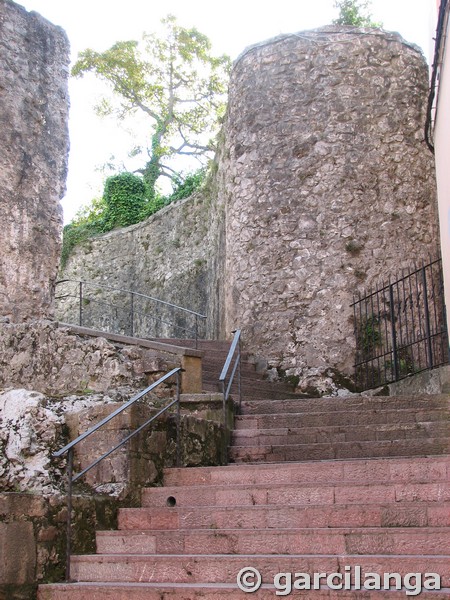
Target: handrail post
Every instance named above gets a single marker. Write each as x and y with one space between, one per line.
178 420
69 512
224 402
394 333
132 314
427 319
239 374
81 304
196 332
225 425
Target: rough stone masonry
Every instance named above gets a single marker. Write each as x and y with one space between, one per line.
328 185
34 58
324 187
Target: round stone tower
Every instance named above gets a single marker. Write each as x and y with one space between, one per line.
328 187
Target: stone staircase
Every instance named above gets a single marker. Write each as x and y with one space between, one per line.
361 483
341 428
254 383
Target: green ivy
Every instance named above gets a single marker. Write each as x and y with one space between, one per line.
185 188
76 234
124 197
126 200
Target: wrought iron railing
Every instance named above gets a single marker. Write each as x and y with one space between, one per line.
115 310
401 328
69 448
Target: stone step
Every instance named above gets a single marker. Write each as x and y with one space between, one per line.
211 374
313 435
351 417
381 540
346 403
158 591
397 514
254 389
340 450
394 470
224 568
316 494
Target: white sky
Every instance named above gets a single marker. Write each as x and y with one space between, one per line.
231 26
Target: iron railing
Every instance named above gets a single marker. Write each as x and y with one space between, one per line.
116 310
69 448
401 328
226 379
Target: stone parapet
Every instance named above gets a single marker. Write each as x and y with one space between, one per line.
56 360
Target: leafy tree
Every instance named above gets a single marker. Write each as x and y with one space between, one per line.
355 13
174 82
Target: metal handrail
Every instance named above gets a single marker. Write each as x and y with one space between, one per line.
79 295
235 349
107 287
69 448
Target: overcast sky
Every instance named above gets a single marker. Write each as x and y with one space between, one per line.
231 26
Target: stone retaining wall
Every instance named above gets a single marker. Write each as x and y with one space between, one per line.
47 358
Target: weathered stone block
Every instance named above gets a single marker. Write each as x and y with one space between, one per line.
17 553
191 378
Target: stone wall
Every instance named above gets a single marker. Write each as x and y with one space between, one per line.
33 426
32 538
172 256
32 484
323 186
34 58
328 187
44 357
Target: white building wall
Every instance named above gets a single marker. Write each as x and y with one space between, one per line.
442 154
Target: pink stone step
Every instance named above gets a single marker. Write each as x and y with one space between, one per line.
350 417
398 514
148 591
224 568
399 541
293 494
340 450
395 470
346 403
313 435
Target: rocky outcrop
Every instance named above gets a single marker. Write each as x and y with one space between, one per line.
43 357
34 58
32 427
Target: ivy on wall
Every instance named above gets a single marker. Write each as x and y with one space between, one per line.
126 201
